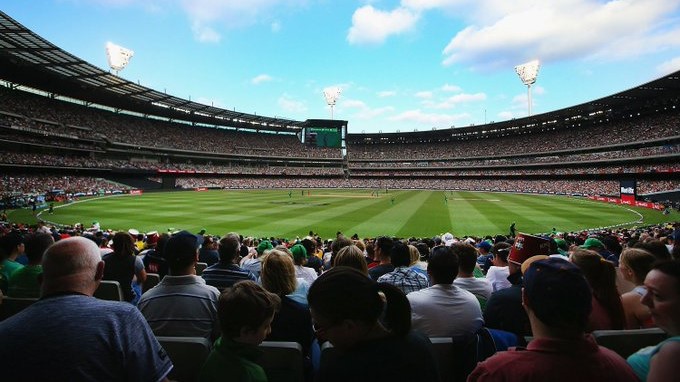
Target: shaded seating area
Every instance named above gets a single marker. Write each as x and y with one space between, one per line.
627 342
13 305
109 290
187 354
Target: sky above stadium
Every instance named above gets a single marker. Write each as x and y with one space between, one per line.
402 65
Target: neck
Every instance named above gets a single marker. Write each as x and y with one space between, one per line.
540 330
385 261
464 275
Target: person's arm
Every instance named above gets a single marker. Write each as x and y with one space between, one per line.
628 302
140 272
664 365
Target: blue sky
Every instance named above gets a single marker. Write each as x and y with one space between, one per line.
401 65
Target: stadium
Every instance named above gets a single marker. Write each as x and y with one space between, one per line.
87 153
100 134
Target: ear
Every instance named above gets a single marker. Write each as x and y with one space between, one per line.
99 274
525 300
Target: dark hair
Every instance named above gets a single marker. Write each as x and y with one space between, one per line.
401 257
385 245
601 276
245 305
670 268
310 246
340 243
467 256
424 251
345 293
656 248
229 248
501 250
612 244
123 244
35 246
443 265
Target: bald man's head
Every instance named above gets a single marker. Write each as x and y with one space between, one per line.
72 264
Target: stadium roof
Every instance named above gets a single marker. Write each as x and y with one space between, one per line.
30 60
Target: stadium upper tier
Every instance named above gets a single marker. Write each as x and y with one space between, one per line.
29 61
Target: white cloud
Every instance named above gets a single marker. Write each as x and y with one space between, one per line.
428 119
387 93
452 101
207 17
669 66
261 79
561 29
363 111
289 104
451 88
372 26
424 94
506 115
204 33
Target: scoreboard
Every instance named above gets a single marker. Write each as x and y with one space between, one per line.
323 132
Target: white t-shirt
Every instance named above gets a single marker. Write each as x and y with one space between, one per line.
478 286
498 277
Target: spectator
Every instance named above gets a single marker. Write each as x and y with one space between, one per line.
245 314
634 265
346 307
607 311
226 273
253 261
80 338
467 260
208 253
11 246
25 282
445 309
122 265
485 256
415 263
382 252
595 245
504 309
154 259
300 259
403 277
660 363
352 257
557 300
498 272
182 305
293 321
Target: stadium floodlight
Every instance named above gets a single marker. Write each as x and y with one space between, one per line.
331 95
528 72
117 56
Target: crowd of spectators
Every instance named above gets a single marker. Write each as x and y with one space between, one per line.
42 184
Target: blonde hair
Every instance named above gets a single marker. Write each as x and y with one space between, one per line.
278 273
353 257
415 254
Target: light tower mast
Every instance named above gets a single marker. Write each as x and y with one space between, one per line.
528 72
331 95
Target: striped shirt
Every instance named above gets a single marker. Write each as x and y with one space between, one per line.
181 306
223 276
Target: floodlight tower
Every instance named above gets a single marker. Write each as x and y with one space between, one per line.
528 72
331 95
117 56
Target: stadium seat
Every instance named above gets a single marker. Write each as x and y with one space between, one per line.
109 290
152 279
627 342
200 267
443 354
13 305
188 354
282 361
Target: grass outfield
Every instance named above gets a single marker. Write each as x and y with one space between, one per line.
400 213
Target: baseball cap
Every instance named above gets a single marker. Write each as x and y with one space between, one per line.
484 244
592 242
181 246
558 293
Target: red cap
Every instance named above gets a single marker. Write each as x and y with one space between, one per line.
527 246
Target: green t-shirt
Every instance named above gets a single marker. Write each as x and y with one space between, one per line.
232 361
24 282
8 267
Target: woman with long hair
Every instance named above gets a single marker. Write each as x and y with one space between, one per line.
123 266
634 264
292 322
369 324
607 310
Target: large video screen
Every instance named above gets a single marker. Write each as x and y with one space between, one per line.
323 136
